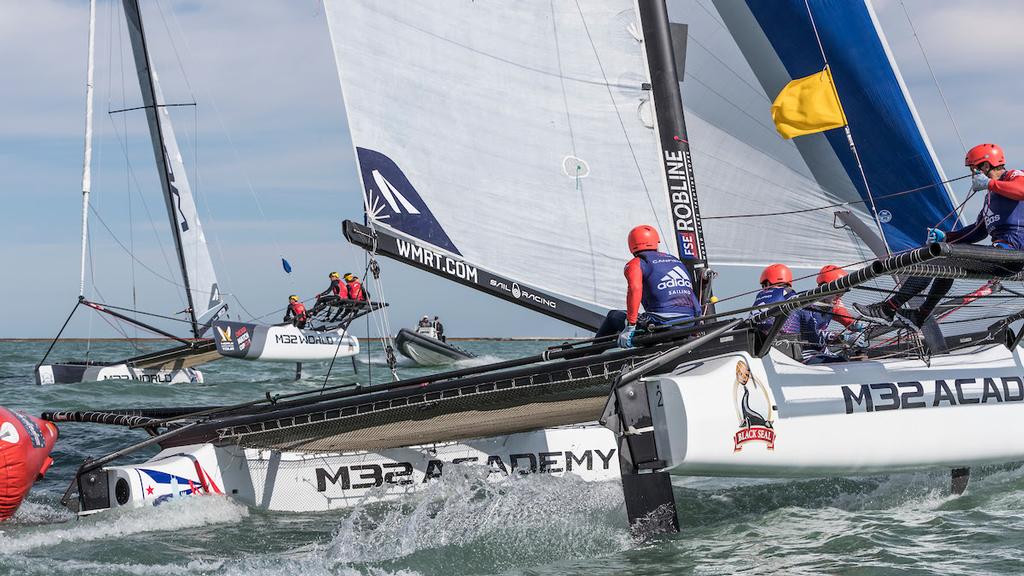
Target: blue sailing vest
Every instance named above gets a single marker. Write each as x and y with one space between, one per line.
814 321
668 290
777 294
1004 220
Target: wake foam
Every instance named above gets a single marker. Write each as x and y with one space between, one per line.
465 519
186 513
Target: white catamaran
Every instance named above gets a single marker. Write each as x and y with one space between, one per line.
198 277
510 148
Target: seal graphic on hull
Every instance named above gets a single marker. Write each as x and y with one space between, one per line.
755 409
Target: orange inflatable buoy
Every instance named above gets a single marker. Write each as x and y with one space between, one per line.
25 444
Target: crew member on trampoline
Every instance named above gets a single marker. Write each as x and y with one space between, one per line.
1002 218
295 312
810 322
336 289
814 321
354 288
776 286
657 280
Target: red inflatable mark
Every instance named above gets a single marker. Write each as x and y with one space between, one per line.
25 444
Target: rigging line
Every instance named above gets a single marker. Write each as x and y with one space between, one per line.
846 129
57 337
234 149
131 245
797 279
767 153
572 141
757 91
174 47
382 321
242 306
130 175
133 108
836 205
622 124
957 209
136 311
714 15
209 212
935 80
116 325
132 256
189 140
92 286
740 109
508 61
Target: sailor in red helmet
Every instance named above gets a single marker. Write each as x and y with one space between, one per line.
811 322
840 313
296 312
657 280
1001 217
776 286
354 287
816 319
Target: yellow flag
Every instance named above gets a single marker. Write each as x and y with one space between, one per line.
808 105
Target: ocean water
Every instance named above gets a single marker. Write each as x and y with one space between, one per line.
897 524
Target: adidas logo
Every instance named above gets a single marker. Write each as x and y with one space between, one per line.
675 278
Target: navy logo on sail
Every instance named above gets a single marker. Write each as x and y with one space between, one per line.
755 409
392 199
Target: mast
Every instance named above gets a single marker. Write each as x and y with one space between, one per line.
147 85
670 126
87 161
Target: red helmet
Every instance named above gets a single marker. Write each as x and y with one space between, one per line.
985 153
777 274
829 273
643 238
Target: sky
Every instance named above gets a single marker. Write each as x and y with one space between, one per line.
271 163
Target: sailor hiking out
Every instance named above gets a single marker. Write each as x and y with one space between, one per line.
295 312
1001 217
354 288
335 291
657 280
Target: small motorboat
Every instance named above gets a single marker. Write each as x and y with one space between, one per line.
424 347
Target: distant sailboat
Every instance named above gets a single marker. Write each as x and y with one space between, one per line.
199 279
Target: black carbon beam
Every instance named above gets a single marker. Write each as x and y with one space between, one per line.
673 139
419 255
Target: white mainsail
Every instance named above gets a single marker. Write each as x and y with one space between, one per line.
524 139
200 278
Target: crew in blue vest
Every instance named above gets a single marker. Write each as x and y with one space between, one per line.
1001 217
811 322
776 286
657 280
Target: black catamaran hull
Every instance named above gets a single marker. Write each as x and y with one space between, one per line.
172 366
